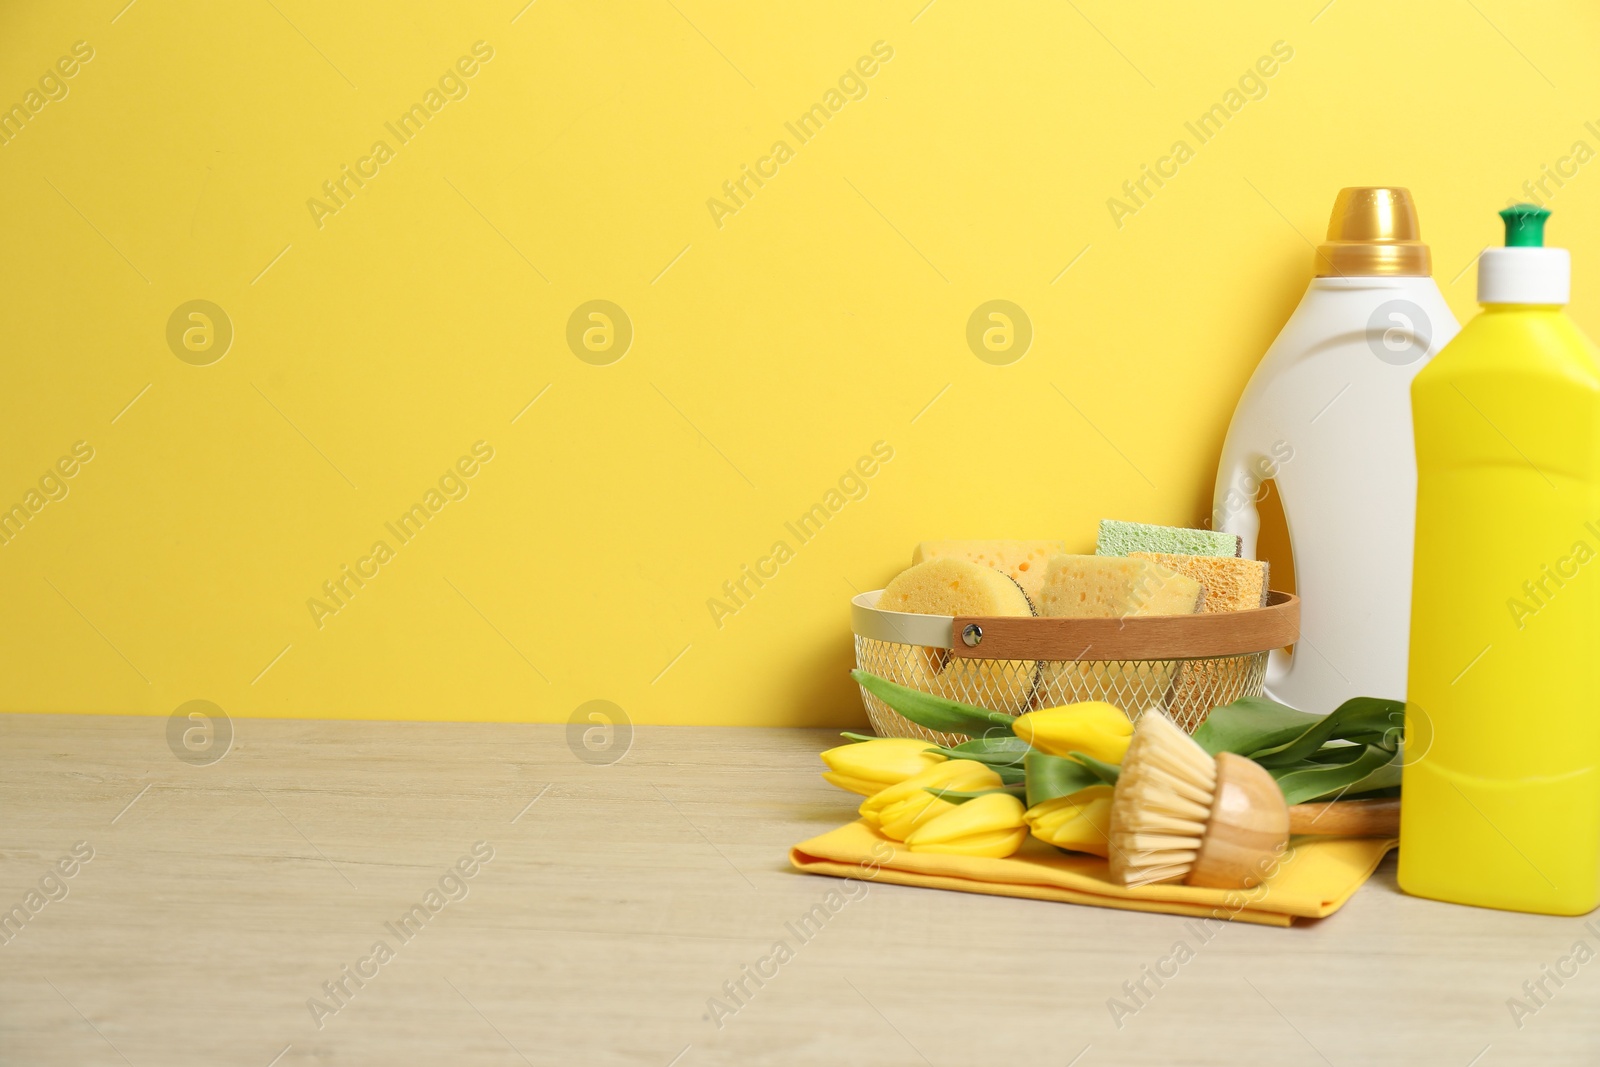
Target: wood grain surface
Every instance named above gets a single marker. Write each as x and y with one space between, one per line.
621 898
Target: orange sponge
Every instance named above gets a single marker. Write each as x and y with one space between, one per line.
1231 584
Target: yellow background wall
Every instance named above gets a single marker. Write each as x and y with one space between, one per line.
374 346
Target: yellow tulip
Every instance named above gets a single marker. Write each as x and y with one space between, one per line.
866 767
1080 822
900 809
1093 727
990 825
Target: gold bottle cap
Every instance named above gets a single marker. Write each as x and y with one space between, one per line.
1373 231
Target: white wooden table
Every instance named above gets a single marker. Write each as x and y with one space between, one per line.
621 898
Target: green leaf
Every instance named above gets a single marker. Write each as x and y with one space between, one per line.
1049 777
1250 724
857 738
1372 794
1333 753
1106 772
959 797
997 745
1010 775
1390 737
996 752
1369 719
1384 779
1361 768
935 713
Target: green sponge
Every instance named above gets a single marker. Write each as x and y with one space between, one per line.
1121 538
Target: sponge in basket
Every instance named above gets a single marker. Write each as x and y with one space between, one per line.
954 587
961 587
1025 561
1112 587
1109 587
1231 584
1122 538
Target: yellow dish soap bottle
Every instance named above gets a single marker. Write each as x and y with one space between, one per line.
1501 791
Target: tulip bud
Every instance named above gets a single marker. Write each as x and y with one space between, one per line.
899 809
866 767
1080 822
1093 727
990 825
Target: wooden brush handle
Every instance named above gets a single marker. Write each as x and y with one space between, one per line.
1347 818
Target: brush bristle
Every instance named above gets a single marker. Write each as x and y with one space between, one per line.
1162 801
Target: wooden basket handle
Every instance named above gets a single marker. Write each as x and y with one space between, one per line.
1132 637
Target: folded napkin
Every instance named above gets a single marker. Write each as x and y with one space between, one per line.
1314 878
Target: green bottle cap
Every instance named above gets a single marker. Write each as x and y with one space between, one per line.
1525 225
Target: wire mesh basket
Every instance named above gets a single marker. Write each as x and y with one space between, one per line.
1183 664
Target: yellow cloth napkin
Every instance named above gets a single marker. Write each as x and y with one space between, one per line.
1314 878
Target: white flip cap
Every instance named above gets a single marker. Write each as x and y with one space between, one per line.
1524 276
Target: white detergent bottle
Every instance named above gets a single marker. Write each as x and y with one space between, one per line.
1327 416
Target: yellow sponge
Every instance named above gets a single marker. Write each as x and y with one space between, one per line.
961 587
912 666
997 684
1231 584
1112 587
954 587
1109 587
1135 686
1023 560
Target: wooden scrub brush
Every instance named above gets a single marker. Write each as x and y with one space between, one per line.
1180 815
